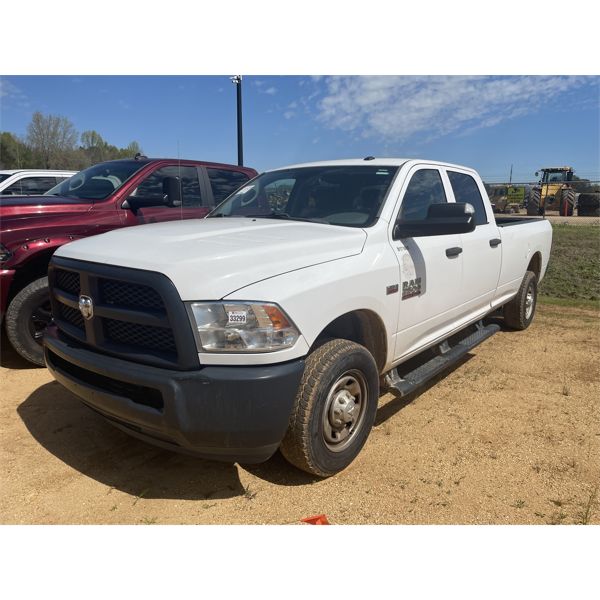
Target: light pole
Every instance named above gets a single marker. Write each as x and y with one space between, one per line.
237 80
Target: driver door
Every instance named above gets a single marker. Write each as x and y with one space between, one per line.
194 203
430 267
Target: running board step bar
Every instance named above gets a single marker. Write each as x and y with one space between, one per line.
449 352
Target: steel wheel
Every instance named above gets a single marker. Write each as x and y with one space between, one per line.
529 301
344 410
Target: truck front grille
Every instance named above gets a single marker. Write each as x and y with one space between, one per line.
130 295
67 281
142 336
137 315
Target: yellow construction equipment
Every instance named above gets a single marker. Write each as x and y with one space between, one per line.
553 192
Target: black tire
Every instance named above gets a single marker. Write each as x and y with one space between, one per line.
26 318
588 204
320 440
519 312
533 204
567 202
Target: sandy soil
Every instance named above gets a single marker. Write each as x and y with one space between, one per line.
512 435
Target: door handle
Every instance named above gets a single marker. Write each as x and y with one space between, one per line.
450 252
495 242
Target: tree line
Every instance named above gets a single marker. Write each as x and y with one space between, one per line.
52 142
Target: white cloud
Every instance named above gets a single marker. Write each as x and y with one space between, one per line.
399 107
9 92
288 114
271 90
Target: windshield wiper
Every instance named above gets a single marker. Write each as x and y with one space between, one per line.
286 217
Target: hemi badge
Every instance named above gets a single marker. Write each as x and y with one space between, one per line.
391 289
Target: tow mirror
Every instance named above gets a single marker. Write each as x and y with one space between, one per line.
171 196
172 191
442 219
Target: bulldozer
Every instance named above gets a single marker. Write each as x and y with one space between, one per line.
554 191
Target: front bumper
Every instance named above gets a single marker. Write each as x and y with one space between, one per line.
223 413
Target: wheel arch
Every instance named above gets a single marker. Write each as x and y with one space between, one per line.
535 264
34 268
362 326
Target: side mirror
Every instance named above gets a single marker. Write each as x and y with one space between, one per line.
442 219
171 196
537 173
172 191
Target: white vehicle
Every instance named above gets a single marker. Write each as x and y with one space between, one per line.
275 322
30 182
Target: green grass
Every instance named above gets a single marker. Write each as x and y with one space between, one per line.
573 275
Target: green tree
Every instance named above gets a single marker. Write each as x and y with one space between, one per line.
52 140
14 154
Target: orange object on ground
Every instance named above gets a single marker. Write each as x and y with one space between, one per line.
316 520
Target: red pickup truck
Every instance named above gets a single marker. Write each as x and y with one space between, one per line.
105 196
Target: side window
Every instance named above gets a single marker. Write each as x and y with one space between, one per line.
30 186
152 186
225 182
465 190
424 189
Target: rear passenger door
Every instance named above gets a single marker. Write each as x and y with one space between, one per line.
482 251
223 182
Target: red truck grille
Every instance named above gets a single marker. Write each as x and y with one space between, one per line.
132 318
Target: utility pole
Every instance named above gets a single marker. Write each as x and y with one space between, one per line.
510 177
237 80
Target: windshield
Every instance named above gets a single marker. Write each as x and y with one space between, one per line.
4 176
338 195
97 182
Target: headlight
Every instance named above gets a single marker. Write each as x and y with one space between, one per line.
5 253
241 327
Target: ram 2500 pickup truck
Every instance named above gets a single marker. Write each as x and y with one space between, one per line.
276 321
106 196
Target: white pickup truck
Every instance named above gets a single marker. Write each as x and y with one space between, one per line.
276 321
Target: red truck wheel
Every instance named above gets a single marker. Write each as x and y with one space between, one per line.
26 319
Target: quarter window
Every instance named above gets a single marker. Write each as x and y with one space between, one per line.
225 182
152 186
424 189
466 190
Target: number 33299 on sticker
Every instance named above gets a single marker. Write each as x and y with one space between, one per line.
237 316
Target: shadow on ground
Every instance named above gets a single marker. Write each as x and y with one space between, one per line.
9 359
86 442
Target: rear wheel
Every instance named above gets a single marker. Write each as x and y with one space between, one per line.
518 313
26 319
588 204
334 409
567 202
533 204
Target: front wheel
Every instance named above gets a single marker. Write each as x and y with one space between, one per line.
26 318
334 409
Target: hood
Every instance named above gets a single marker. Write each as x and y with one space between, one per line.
210 258
33 201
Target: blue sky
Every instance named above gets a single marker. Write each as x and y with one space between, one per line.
488 123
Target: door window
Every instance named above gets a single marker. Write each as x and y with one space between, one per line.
466 190
152 186
30 186
424 189
224 182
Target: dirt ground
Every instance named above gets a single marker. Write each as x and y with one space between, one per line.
512 435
